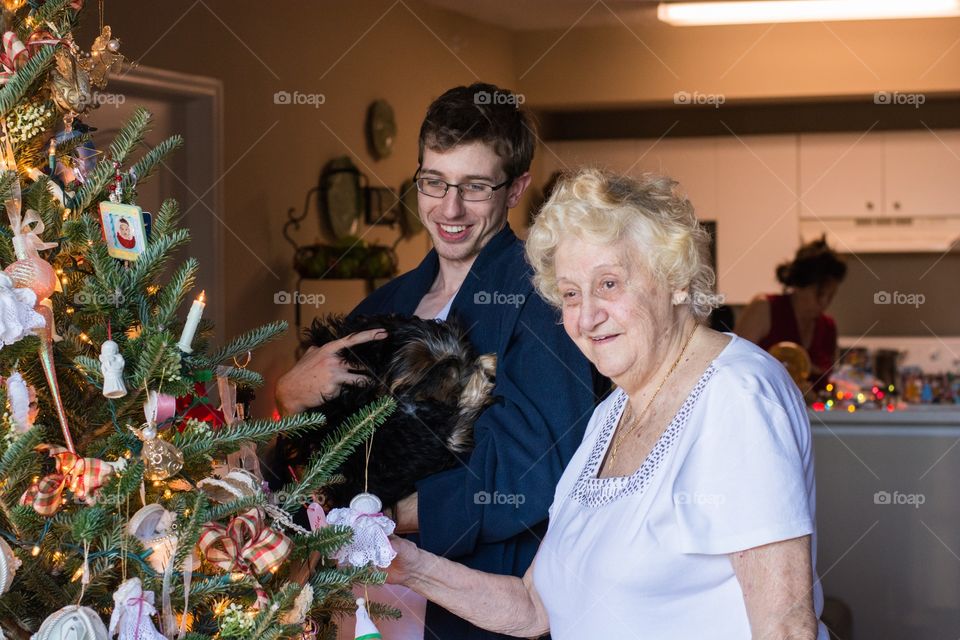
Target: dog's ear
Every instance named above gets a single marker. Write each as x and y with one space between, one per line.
479 385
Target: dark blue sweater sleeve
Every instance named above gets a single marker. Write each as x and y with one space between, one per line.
545 396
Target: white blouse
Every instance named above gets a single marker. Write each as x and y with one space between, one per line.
646 555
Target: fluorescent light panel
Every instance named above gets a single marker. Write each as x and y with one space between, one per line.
687 14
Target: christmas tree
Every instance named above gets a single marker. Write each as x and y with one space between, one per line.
124 488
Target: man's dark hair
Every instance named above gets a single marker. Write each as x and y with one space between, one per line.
481 113
815 264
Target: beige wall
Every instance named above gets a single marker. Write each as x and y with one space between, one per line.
651 61
351 52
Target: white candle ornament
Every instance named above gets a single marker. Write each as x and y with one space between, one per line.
193 321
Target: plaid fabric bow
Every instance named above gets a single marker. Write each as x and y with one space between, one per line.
82 476
13 56
245 544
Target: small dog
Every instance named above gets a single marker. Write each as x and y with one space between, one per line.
440 384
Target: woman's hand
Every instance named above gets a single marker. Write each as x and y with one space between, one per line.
402 568
320 373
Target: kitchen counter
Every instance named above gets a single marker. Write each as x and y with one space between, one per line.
936 416
889 517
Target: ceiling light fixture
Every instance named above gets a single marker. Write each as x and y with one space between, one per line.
688 14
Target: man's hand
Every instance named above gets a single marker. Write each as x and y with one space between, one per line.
320 373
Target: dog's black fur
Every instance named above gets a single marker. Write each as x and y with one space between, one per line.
440 384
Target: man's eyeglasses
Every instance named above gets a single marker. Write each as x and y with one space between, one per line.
468 191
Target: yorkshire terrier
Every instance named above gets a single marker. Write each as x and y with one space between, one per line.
440 385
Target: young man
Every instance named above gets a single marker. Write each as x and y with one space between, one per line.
475 152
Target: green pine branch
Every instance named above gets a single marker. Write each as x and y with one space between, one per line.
325 540
167 217
145 166
50 10
242 377
16 88
197 443
154 259
249 341
172 294
129 137
336 448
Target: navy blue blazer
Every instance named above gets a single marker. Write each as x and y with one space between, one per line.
491 513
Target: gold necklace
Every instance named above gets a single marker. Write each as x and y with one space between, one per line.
618 439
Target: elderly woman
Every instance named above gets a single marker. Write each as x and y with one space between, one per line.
688 510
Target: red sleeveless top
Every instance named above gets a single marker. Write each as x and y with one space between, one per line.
783 326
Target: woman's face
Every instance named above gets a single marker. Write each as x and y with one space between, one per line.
614 310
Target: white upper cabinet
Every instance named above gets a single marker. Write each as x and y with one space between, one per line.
922 173
841 175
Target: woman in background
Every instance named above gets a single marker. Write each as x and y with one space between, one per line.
798 315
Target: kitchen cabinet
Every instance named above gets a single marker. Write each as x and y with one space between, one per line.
922 173
898 174
841 175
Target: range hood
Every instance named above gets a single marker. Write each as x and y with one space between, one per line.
885 234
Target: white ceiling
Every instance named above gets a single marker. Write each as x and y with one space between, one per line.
524 15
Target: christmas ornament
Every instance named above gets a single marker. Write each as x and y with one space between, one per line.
371 532
246 457
301 607
9 563
23 407
111 365
365 629
191 324
50 371
73 622
69 81
17 316
30 270
160 458
48 303
132 610
82 476
316 516
159 407
246 544
104 58
153 527
236 484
